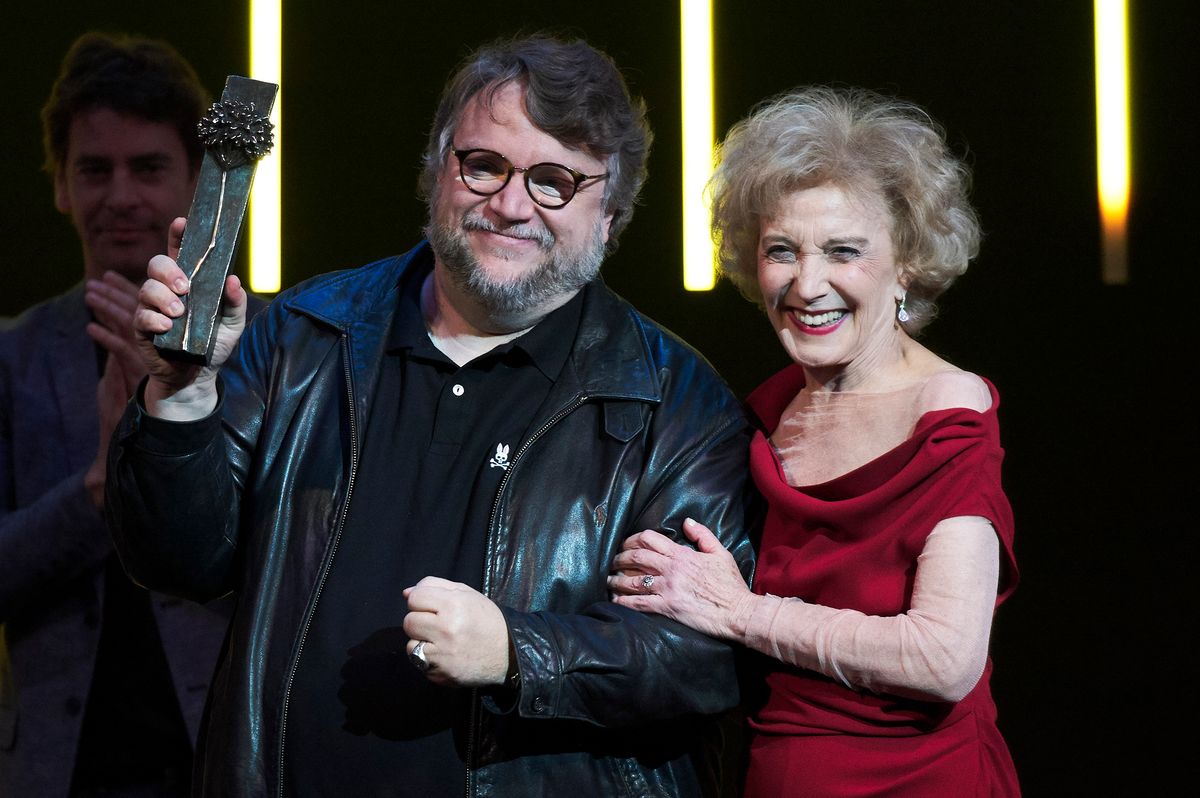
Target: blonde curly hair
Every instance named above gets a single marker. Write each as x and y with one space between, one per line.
868 144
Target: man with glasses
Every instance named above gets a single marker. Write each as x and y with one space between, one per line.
415 476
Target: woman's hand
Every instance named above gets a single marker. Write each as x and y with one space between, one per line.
701 588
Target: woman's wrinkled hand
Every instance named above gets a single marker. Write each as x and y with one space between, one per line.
700 587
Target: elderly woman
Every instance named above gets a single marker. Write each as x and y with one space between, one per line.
887 544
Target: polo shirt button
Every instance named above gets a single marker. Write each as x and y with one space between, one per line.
458 390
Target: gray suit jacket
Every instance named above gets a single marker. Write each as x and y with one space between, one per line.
54 546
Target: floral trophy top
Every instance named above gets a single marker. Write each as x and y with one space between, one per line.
236 133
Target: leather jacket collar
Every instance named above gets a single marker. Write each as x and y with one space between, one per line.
609 359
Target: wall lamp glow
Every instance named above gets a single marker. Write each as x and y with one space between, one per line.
266 64
1112 136
695 27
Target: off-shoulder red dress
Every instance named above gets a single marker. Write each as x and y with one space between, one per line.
853 543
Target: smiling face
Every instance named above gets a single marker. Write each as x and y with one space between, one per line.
507 258
124 179
830 283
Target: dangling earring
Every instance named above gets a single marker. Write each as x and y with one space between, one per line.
902 314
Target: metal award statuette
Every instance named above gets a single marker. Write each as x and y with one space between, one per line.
236 133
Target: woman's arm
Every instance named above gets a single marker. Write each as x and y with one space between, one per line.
935 651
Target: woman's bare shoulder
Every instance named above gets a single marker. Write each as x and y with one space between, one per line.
953 387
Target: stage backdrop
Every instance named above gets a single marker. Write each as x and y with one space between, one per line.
1093 662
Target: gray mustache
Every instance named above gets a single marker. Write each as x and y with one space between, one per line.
543 237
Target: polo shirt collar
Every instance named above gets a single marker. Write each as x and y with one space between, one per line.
547 345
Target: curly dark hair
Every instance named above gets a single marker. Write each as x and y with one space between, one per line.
573 92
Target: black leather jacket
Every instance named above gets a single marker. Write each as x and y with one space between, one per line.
638 432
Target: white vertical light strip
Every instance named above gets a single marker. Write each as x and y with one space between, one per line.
266 64
1112 136
695 28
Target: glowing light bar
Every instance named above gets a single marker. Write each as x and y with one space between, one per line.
1112 135
266 63
695 28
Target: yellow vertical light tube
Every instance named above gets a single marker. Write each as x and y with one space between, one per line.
1112 136
695 28
266 64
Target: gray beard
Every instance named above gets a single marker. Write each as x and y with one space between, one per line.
560 273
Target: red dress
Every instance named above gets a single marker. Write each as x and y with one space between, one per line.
853 542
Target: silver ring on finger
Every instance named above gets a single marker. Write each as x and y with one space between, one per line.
647 582
417 657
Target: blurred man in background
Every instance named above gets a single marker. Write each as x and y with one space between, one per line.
102 683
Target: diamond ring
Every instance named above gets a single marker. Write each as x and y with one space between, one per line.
647 582
417 657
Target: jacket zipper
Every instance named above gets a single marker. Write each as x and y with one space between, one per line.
473 729
337 536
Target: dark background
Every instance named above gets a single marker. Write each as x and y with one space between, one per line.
1094 663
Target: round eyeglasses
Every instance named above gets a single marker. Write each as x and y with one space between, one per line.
550 185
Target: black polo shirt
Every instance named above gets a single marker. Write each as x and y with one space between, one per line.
361 719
